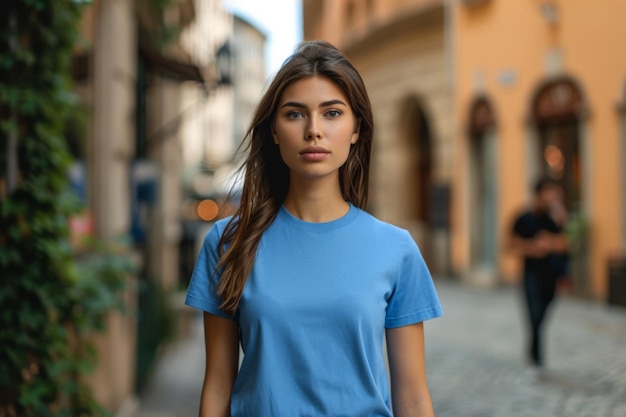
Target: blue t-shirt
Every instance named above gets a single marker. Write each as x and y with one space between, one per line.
313 313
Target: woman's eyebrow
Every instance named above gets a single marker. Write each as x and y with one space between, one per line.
332 103
323 104
294 104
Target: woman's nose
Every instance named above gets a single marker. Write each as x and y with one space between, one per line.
313 129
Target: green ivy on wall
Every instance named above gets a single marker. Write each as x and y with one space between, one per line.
51 302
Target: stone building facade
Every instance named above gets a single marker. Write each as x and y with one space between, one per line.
399 47
475 99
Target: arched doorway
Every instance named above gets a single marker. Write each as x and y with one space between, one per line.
557 111
419 175
483 211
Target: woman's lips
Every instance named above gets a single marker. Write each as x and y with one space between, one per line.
314 153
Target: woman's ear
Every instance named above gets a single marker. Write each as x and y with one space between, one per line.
274 135
355 135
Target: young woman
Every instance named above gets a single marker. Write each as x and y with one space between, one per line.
304 279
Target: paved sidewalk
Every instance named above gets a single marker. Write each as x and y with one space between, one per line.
474 359
174 390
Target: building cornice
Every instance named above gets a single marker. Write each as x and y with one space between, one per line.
408 18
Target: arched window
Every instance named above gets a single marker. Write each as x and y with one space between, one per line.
483 206
481 117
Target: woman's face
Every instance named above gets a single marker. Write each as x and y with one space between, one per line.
314 128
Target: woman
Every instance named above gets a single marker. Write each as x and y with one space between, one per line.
301 276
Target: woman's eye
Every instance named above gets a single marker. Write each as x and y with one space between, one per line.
294 115
333 113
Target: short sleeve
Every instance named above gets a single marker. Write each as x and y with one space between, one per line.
201 293
414 298
523 227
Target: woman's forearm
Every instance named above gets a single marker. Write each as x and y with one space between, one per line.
213 403
413 406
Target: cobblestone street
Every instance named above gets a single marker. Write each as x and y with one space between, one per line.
476 364
475 361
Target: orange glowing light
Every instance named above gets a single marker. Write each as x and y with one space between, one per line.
207 210
554 157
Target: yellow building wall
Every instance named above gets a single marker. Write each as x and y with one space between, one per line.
512 39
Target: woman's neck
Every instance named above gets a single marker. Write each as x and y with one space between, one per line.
316 202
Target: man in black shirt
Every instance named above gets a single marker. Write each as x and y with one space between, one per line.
538 237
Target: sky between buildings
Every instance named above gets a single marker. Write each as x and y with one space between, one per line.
280 20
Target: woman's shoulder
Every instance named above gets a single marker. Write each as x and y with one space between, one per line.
383 229
215 231
221 223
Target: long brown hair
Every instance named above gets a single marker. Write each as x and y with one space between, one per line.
266 177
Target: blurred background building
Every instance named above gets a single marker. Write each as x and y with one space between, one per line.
399 47
248 74
473 101
160 82
210 166
539 89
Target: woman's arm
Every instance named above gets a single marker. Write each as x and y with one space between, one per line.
409 390
222 359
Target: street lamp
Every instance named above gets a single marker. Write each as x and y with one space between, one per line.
224 64
223 76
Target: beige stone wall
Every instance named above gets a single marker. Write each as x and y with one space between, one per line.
110 94
112 147
411 67
114 378
399 49
164 150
